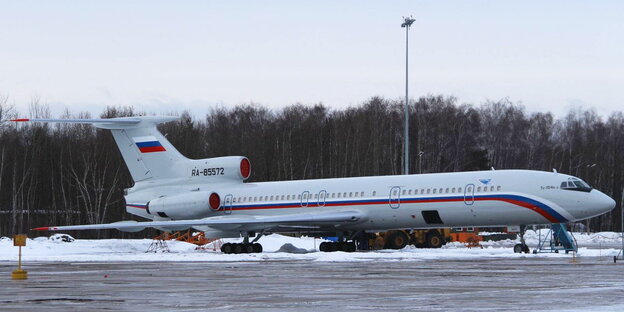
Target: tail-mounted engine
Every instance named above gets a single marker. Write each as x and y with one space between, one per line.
231 168
193 205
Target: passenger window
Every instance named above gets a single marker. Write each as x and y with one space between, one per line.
338 195
350 194
459 189
428 191
298 196
441 190
453 190
361 194
434 191
492 188
478 189
409 192
498 188
374 193
422 191
447 190
271 198
403 192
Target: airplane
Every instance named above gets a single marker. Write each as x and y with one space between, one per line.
210 195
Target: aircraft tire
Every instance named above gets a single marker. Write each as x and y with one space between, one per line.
238 248
520 248
323 247
257 248
248 248
227 248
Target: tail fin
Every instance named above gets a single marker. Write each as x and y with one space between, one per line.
146 152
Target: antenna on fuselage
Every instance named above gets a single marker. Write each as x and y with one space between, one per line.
555 170
492 168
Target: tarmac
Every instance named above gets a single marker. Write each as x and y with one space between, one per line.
514 284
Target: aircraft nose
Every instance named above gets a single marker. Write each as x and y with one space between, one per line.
602 203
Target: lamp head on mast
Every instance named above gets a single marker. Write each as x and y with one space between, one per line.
407 21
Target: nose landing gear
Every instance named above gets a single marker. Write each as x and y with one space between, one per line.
522 247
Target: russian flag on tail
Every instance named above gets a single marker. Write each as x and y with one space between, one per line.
148 144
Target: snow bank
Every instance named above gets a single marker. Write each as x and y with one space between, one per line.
276 247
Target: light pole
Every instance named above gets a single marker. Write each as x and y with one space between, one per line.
407 23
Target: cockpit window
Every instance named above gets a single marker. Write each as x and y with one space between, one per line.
574 184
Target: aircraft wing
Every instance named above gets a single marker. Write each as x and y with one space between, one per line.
290 219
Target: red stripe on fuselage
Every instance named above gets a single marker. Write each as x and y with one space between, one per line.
411 201
529 206
137 206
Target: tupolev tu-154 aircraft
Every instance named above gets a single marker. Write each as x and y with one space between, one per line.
210 195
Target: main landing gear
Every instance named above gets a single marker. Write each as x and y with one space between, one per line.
337 246
522 247
245 247
341 245
239 248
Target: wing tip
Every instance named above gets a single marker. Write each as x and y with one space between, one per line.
44 228
20 119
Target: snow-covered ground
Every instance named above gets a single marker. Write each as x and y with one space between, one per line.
276 248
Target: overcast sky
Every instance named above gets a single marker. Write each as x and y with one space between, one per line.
164 56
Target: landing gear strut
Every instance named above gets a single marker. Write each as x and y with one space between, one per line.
522 247
244 247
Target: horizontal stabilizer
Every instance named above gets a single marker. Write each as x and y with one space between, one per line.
305 219
108 123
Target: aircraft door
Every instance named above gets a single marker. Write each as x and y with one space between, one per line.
469 194
305 198
321 198
395 197
227 204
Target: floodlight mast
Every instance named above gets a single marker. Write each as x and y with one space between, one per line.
407 23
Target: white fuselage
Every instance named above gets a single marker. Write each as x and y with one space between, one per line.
479 198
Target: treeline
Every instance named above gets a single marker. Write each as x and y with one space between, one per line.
58 174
